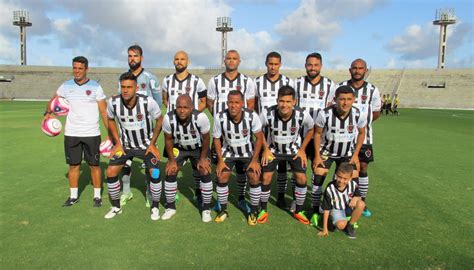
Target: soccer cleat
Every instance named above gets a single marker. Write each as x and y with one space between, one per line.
124 198
262 217
147 199
206 216
70 201
281 203
356 225
154 213
113 212
252 219
293 206
244 206
301 217
169 213
366 212
97 202
176 198
221 216
314 220
350 231
217 206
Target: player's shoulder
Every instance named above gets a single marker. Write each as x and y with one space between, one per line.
148 74
330 109
300 79
346 82
329 80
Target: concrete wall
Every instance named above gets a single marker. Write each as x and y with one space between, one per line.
39 82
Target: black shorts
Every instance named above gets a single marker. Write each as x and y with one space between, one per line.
295 165
76 147
192 155
366 153
310 150
150 160
329 160
240 164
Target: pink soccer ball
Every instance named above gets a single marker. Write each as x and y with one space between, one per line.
51 127
105 148
59 106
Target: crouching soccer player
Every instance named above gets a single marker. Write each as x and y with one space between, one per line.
135 114
187 137
336 129
342 199
236 126
283 125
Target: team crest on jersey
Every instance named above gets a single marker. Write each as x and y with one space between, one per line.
193 131
368 153
238 87
350 128
245 132
321 93
143 85
363 97
188 89
293 129
139 117
88 92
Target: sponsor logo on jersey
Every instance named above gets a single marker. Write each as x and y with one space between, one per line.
139 117
143 85
88 92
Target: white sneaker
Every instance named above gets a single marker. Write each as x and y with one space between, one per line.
155 213
206 216
113 212
169 213
293 206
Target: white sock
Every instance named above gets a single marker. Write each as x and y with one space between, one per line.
74 192
97 193
126 184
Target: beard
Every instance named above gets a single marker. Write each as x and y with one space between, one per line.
357 77
180 69
312 76
134 66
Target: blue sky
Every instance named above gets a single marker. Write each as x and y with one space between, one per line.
388 34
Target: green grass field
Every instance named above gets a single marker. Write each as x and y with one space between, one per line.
421 195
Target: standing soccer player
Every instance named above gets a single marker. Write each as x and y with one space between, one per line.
148 85
82 131
396 102
283 125
135 114
233 132
180 83
217 91
187 137
314 93
368 102
339 135
266 95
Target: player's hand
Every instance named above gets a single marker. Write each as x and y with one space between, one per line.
255 167
152 149
353 203
220 167
267 157
323 233
355 160
318 162
117 149
301 154
171 167
204 164
47 116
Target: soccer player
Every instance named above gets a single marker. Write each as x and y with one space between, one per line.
283 125
368 102
217 91
187 137
136 114
233 132
82 133
384 103
148 85
339 135
342 199
395 105
388 105
266 91
314 92
183 82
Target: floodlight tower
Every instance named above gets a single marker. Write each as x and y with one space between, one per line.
21 18
224 26
443 18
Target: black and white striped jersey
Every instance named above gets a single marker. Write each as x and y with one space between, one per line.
191 85
267 91
339 135
219 87
314 97
136 124
368 101
237 141
284 137
186 136
339 200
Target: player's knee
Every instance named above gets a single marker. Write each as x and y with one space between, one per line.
321 171
300 178
74 168
360 204
155 175
111 171
341 224
363 167
202 171
112 179
318 180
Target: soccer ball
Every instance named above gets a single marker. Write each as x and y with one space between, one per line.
105 148
59 106
51 127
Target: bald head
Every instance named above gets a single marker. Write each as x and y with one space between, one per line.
358 70
359 62
180 61
184 100
184 107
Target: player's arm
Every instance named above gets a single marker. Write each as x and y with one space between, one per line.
205 126
202 95
302 151
113 134
47 112
251 104
359 143
220 160
318 161
376 104
103 112
254 164
326 206
211 95
210 105
155 112
171 165
165 98
250 95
